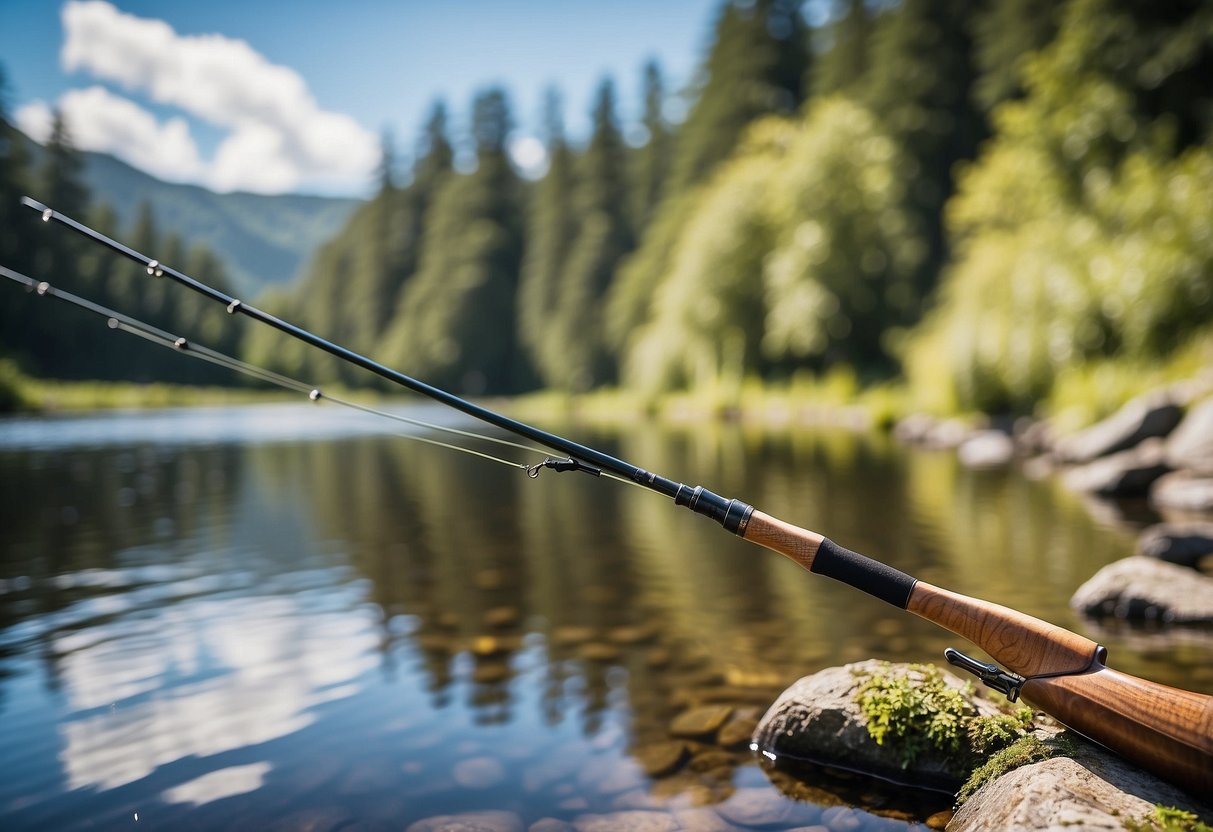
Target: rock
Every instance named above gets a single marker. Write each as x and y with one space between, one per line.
572 635
1185 491
609 776
633 821
632 635
550 825
598 651
1126 474
842 818
502 617
490 672
1191 445
817 719
940 820
1095 791
760 807
703 819
946 434
662 758
1153 415
490 821
313 820
736 732
1145 589
713 759
1183 544
478 773
986 448
700 722
1033 436
914 428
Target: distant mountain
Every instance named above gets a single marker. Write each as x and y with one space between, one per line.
263 241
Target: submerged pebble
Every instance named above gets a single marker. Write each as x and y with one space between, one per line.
662 758
631 821
736 733
490 821
550 825
478 773
700 722
763 807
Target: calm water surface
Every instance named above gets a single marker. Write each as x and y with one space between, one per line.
286 617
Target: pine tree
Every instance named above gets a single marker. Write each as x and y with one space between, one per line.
13 182
757 65
456 325
920 86
844 63
1005 33
551 228
575 340
14 248
654 157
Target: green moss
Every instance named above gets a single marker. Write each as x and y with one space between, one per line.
916 709
1022 752
1168 819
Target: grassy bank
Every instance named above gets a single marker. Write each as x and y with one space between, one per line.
21 394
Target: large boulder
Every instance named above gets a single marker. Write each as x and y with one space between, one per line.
1092 790
1155 414
1191 445
1184 544
819 720
1185 491
1145 589
1125 474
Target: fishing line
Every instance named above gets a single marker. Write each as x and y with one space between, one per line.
124 323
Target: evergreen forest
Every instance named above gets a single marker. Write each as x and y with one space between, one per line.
981 202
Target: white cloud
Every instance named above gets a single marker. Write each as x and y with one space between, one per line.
35 119
99 120
279 134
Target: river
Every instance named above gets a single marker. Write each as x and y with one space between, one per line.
286 616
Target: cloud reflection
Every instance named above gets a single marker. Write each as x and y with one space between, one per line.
199 678
226 782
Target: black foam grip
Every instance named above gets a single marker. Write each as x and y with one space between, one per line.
861 572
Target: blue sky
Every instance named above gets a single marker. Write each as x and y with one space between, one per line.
293 96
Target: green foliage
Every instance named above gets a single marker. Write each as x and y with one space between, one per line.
798 252
756 66
707 314
52 341
12 397
1024 751
841 272
1079 235
1006 32
1168 819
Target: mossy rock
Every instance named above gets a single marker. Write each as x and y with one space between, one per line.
912 724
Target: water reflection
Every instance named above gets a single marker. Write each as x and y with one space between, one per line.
372 630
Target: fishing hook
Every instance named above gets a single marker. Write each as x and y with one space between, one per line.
560 465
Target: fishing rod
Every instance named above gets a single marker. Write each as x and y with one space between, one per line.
1163 729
